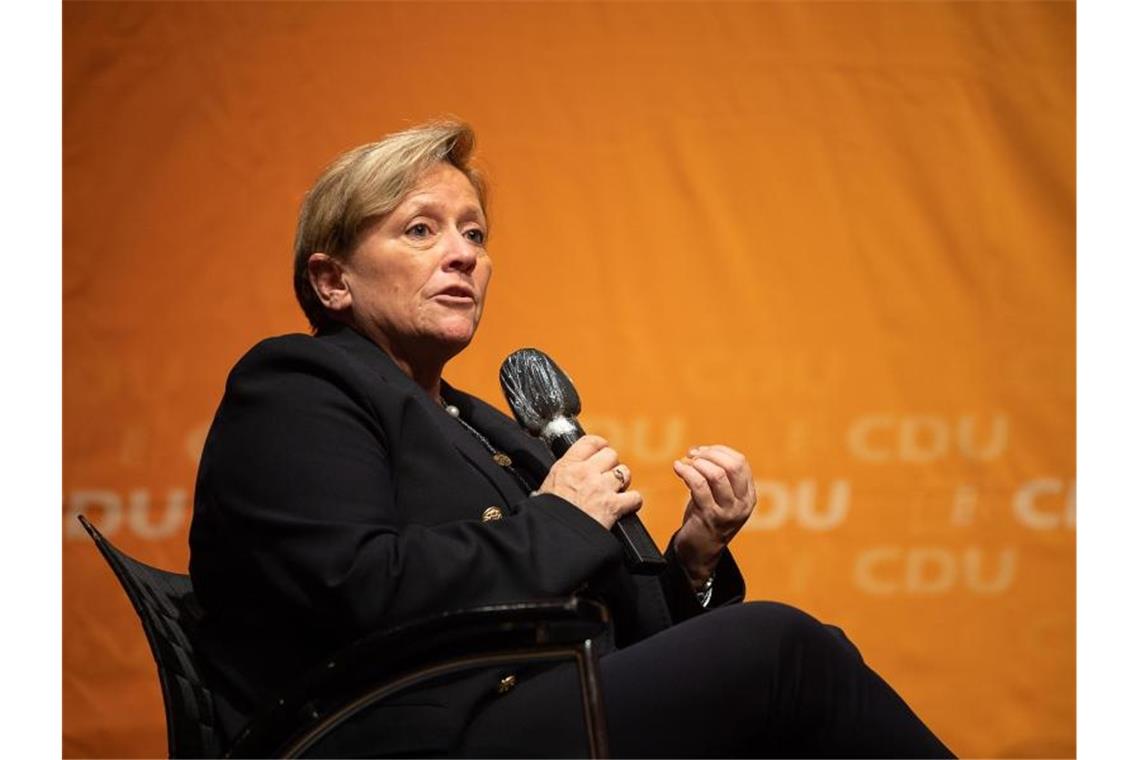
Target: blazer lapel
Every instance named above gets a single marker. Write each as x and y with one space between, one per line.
449 428
505 440
529 456
479 457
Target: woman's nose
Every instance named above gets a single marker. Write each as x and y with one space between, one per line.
459 252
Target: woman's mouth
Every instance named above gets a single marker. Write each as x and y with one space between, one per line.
457 294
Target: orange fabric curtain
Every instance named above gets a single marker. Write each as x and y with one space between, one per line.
839 237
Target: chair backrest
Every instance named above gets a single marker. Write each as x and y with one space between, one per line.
164 603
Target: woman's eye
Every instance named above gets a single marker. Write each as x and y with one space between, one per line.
476 236
419 230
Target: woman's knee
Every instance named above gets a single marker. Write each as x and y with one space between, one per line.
775 616
780 627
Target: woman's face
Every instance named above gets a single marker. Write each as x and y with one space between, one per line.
418 276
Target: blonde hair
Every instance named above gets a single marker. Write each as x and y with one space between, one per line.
365 183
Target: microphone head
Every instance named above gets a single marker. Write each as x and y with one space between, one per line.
537 390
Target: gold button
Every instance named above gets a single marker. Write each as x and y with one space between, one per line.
492 513
502 459
507 684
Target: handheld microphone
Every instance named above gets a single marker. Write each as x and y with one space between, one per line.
546 404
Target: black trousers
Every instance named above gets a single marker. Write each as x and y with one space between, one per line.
760 679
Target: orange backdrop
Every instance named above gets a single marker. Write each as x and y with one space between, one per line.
839 237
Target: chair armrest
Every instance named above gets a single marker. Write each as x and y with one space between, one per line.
387 661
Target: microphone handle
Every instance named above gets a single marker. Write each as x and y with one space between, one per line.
642 556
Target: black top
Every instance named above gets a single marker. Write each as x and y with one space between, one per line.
335 497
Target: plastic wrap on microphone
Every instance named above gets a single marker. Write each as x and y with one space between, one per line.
540 395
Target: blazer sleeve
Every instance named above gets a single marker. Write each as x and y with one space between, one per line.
728 585
295 514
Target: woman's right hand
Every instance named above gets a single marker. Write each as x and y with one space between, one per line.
590 477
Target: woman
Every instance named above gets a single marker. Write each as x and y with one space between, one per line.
344 486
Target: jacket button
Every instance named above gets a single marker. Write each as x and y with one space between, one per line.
502 459
507 684
490 514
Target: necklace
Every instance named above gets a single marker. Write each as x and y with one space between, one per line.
499 457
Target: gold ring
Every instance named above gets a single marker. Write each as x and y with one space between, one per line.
619 473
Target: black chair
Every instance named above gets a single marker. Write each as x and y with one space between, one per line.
362 675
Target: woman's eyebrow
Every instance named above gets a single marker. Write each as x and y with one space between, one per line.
415 207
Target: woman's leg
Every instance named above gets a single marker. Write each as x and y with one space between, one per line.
750 680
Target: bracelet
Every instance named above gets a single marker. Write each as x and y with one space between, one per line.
704 593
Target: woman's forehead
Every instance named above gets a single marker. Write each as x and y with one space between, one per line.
439 187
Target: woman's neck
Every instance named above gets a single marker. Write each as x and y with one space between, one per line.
425 373
424 366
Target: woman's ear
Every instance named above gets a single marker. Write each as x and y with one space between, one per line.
327 278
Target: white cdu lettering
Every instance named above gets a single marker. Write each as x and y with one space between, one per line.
773 504
924 438
933 570
778 501
869 438
103 508
1002 578
1030 511
872 570
994 447
930 570
140 515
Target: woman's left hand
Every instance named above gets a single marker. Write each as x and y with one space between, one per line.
721 497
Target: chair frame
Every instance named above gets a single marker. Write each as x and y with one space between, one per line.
132 586
365 672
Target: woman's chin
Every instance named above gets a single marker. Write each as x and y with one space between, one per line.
455 334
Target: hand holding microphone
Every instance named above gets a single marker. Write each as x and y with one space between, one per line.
590 477
588 473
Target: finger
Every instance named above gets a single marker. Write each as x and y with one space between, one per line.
623 475
733 463
605 458
728 450
718 481
698 485
628 502
583 448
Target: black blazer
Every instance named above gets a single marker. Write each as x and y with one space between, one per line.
335 497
